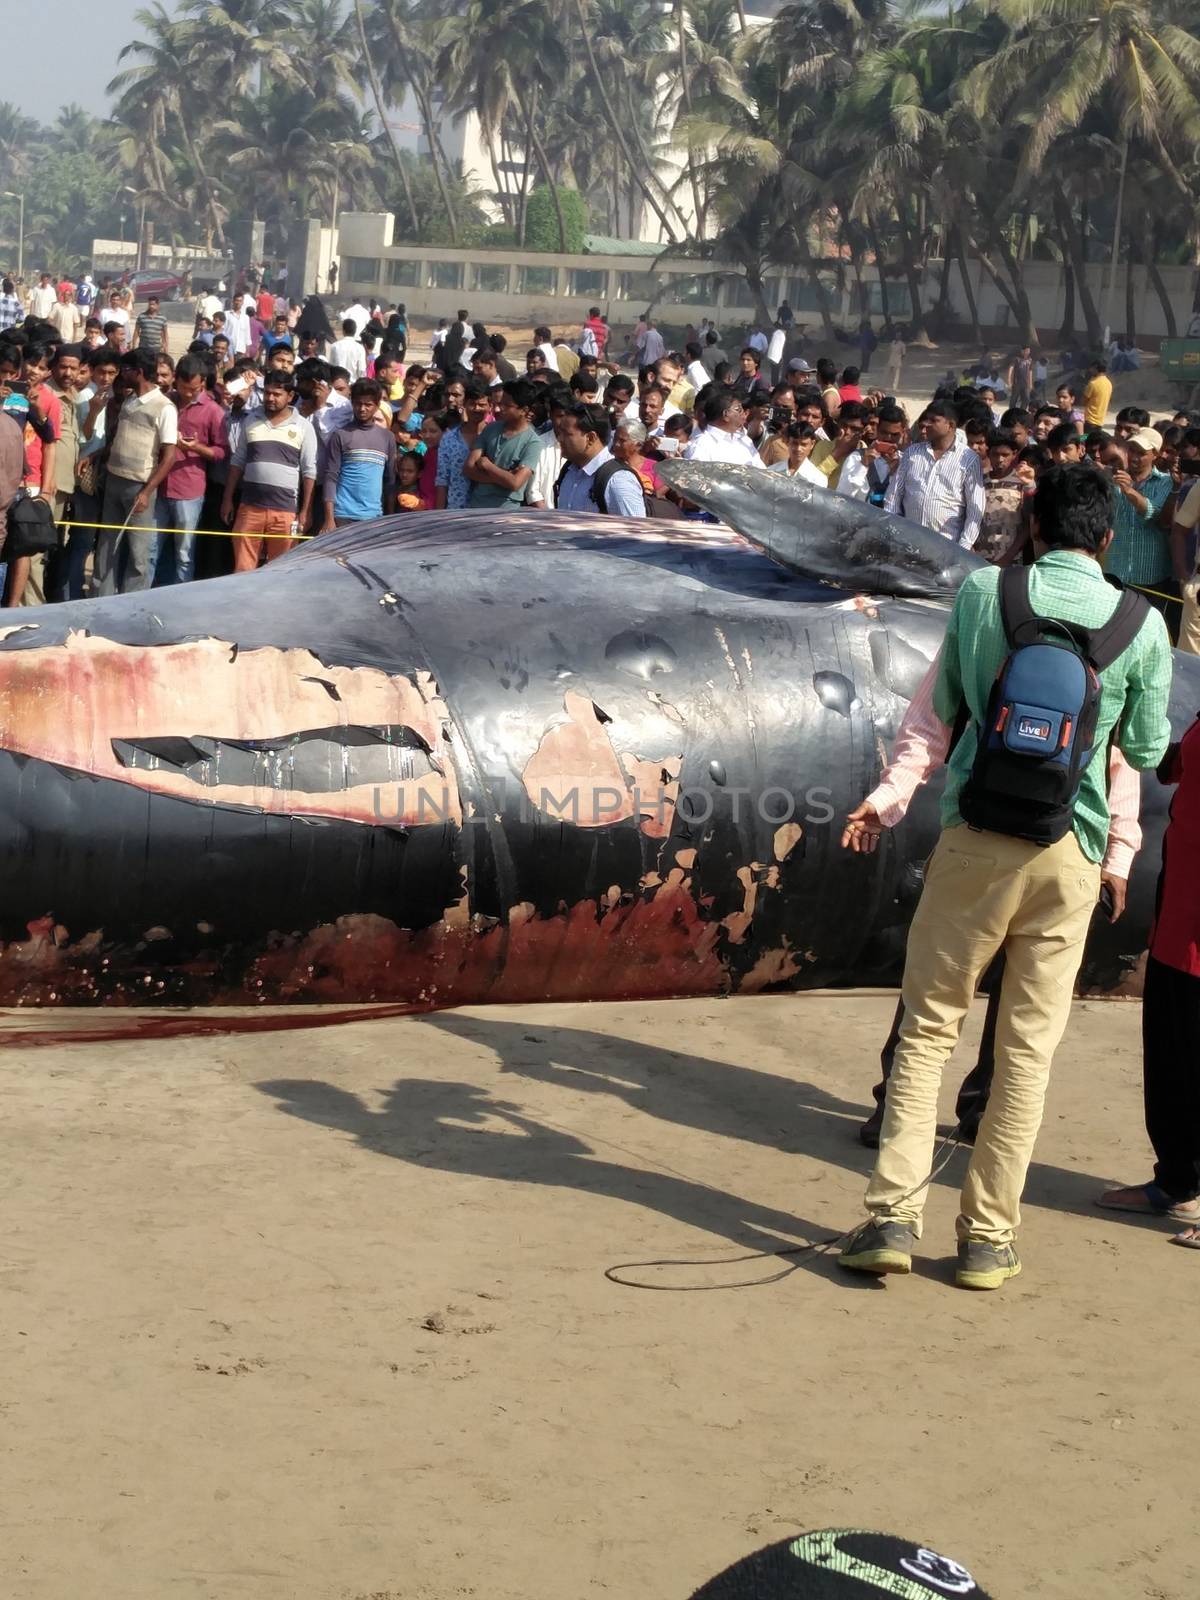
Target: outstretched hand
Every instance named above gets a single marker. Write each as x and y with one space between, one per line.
863 830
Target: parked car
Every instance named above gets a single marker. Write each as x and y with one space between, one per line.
152 281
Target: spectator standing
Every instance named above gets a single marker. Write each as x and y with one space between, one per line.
348 351
11 309
67 318
723 437
274 464
506 452
939 482
43 298
1141 550
202 445
593 479
139 460
360 465
452 489
1097 395
150 329
236 326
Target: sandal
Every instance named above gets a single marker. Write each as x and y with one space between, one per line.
1189 1238
1148 1200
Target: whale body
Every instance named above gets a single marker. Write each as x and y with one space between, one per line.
459 757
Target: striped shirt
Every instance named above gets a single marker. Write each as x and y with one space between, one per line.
1133 690
360 469
150 331
11 311
1141 552
273 457
944 492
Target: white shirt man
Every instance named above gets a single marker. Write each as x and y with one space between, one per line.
358 315
209 304
349 352
697 375
758 341
715 443
237 326
43 299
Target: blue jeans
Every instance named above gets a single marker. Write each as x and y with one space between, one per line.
184 516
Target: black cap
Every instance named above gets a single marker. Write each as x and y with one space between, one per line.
843 1564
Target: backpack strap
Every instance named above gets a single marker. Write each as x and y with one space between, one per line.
1015 610
604 475
1121 629
558 482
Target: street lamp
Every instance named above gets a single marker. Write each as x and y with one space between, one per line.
8 194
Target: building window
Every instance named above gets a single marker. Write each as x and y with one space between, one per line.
587 283
639 285
538 280
362 269
491 279
445 274
688 289
404 274
737 292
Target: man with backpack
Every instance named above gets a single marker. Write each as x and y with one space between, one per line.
593 479
1050 664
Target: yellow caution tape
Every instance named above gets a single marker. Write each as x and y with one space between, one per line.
204 533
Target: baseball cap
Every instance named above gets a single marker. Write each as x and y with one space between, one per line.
1147 439
843 1564
798 364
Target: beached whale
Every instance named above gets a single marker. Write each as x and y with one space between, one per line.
461 757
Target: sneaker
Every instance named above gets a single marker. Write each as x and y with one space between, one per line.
879 1246
985 1266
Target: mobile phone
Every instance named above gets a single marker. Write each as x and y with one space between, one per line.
1107 904
237 386
19 386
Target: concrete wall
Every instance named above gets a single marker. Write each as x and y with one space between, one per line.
526 287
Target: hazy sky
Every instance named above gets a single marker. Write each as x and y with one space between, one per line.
79 61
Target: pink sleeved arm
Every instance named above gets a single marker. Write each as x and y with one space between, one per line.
1124 807
922 744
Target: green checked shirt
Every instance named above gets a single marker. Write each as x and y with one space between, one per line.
1140 552
1133 690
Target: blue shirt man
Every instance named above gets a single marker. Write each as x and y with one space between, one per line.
585 486
360 467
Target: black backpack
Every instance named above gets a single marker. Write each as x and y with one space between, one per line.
601 479
1039 730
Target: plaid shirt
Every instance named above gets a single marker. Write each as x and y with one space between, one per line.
1140 552
1134 689
944 492
11 311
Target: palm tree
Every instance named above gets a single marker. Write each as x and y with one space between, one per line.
161 91
381 110
521 74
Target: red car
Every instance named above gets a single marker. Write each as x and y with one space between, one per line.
151 281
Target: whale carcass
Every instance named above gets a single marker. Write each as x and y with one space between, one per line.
458 757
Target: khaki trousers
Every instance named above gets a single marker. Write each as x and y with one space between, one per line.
1189 627
983 891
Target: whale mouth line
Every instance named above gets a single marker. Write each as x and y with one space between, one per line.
314 761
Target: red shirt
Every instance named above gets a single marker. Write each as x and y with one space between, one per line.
427 482
266 307
1175 940
849 391
51 408
204 421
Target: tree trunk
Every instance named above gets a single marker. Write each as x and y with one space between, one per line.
920 334
425 107
617 130
754 282
686 91
1159 287
819 289
1066 328
1071 234
1130 296
877 246
1013 290
522 187
381 112
534 138
943 299
964 273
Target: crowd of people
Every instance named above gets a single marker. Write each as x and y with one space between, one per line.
271 422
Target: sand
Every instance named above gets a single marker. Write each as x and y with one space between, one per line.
322 1315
